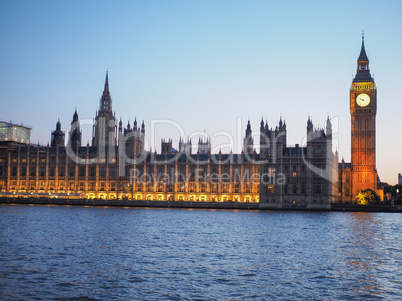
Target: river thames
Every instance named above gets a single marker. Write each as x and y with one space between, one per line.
92 253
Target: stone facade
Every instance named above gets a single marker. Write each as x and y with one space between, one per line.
116 166
297 176
361 173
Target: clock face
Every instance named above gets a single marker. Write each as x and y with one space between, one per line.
363 100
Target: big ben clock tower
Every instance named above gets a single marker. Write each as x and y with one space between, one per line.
363 110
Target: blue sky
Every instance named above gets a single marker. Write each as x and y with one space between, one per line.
202 64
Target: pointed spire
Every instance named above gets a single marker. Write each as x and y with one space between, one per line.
363 72
75 116
328 130
105 107
309 124
363 56
106 82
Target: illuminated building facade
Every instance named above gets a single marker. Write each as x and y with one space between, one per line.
117 166
361 173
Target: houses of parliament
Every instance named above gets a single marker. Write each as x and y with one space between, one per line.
117 166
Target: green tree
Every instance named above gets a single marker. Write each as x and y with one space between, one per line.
368 197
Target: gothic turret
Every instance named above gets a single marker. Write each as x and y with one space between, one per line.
166 146
75 132
105 106
248 129
185 147
263 138
120 126
143 128
75 116
280 137
57 136
309 125
204 146
328 129
248 143
104 129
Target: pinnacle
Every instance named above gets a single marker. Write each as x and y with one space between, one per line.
363 56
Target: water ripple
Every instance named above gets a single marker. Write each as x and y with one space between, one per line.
85 253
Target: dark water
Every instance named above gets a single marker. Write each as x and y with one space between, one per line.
78 253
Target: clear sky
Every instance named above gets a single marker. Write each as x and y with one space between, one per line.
202 64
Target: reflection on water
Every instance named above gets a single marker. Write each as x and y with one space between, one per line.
366 253
90 253
361 259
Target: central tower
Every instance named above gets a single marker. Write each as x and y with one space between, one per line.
363 110
104 129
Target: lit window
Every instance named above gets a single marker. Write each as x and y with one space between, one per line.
294 174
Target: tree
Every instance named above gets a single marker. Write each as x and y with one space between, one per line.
368 197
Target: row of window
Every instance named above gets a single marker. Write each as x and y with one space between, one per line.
80 186
295 201
82 172
62 171
293 189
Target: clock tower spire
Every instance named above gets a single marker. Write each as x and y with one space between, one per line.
363 110
363 71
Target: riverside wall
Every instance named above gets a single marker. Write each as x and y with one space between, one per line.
195 205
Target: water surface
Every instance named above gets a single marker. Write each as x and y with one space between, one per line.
89 253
